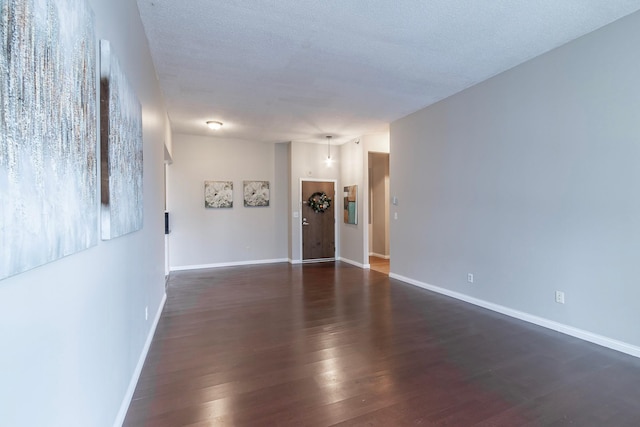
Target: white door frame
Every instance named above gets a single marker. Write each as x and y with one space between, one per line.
335 216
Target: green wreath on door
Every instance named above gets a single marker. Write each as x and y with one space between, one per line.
319 202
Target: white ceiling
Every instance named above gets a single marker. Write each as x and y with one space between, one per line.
296 70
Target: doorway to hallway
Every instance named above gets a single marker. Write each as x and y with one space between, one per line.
379 253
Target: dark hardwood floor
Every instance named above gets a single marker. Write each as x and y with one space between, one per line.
331 344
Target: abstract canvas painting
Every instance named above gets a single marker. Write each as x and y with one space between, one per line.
48 135
256 193
120 149
218 194
351 204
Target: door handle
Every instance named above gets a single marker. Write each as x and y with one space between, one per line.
304 221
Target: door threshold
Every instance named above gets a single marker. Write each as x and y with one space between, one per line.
309 261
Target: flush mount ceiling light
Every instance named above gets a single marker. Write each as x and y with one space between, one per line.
329 160
214 125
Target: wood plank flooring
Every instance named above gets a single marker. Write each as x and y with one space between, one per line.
331 344
380 265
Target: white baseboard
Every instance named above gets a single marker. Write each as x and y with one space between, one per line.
228 264
295 261
540 321
379 255
126 401
357 264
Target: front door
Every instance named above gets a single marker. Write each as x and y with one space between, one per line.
318 228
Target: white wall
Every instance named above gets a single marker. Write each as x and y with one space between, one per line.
355 171
354 246
376 143
211 237
73 331
530 181
352 172
168 141
207 237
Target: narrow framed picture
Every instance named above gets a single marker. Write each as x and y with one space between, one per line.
351 204
121 149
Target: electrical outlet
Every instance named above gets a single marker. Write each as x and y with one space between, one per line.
560 297
470 278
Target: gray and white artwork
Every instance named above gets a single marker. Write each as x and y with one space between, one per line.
120 149
256 193
48 135
218 194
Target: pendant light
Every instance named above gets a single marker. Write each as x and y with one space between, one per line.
329 160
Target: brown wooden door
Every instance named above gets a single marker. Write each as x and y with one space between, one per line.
318 228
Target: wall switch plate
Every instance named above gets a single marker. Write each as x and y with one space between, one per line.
560 297
296 214
470 278
395 215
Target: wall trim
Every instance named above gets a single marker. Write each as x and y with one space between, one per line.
379 255
228 264
357 264
126 401
540 321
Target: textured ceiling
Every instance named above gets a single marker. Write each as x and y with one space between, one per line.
296 70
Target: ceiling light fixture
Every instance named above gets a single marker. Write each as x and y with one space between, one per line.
329 160
214 125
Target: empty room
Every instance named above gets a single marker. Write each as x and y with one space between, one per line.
299 213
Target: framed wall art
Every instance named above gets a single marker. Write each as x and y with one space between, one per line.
218 194
351 204
120 149
256 193
48 132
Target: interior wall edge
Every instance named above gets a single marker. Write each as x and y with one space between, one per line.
355 263
126 401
